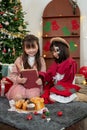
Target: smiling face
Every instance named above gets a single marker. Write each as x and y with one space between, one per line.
32 50
31 46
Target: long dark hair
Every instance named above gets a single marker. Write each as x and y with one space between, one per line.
29 41
64 51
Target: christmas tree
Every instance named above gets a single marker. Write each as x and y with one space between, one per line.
12 30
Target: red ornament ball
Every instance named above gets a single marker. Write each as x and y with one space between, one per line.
35 113
59 113
43 116
29 117
83 70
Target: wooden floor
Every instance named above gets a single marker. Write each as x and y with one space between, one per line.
81 125
6 127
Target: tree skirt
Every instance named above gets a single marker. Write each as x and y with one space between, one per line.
71 113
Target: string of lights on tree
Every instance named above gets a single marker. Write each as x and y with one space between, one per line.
12 30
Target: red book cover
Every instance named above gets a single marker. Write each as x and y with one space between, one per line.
32 76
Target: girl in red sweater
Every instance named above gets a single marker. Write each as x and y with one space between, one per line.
61 73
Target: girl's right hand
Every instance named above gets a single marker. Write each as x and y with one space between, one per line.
22 80
4 81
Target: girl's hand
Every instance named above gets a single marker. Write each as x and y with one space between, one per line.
4 81
39 81
22 80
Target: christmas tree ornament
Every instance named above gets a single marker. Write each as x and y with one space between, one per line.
1 26
6 23
9 49
4 50
43 116
10 1
1 13
16 18
13 53
59 113
35 113
18 1
5 14
20 28
83 70
47 113
29 117
1 42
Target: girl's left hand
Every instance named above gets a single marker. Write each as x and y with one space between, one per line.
39 81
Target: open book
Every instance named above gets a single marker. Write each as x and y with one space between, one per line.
32 76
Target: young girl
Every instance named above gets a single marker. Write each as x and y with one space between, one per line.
30 59
62 72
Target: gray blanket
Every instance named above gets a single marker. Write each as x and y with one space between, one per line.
72 113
